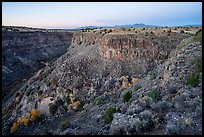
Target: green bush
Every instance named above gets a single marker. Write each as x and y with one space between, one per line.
68 91
28 92
182 31
193 80
154 94
39 92
173 129
67 99
127 96
99 100
153 74
137 87
198 36
197 62
64 125
52 108
59 102
108 116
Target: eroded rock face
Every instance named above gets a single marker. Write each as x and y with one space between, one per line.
121 47
23 53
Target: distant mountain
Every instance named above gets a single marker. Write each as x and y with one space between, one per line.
141 25
193 25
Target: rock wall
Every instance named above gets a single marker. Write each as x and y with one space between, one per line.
25 52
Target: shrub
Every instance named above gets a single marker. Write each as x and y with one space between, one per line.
59 102
108 116
76 105
193 80
169 31
39 92
28 92
198 36
143 29
153 74
69 91
172 129
99 100
154 94
110 30
135 31
64 125
151 32
34 114
137 87
46 132
14 127
127 96
67 99
52 108
128 29
182 31
17 94
146 101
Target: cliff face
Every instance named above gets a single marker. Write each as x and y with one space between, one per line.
128 47
25 52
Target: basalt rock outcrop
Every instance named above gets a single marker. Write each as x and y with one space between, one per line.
23 53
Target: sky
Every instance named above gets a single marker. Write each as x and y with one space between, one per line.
77 14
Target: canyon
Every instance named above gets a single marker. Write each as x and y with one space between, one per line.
78 75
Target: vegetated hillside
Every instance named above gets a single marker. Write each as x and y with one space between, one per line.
134 81
23 53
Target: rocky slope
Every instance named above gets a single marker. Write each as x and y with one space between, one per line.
23 53
121 82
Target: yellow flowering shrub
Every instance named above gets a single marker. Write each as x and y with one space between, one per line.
135 80
124 85
20 120
14 127
24 121
34 114
76 105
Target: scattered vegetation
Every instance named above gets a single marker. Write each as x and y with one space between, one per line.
108 116
198 36
52 108
169 31
154 94
39 92
153 74
172 129
110 30
24 121
127 96
193 79
182 31
59 102
146 101
99 100
137 87
64 124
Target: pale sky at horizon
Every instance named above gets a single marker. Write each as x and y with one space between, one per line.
77 14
